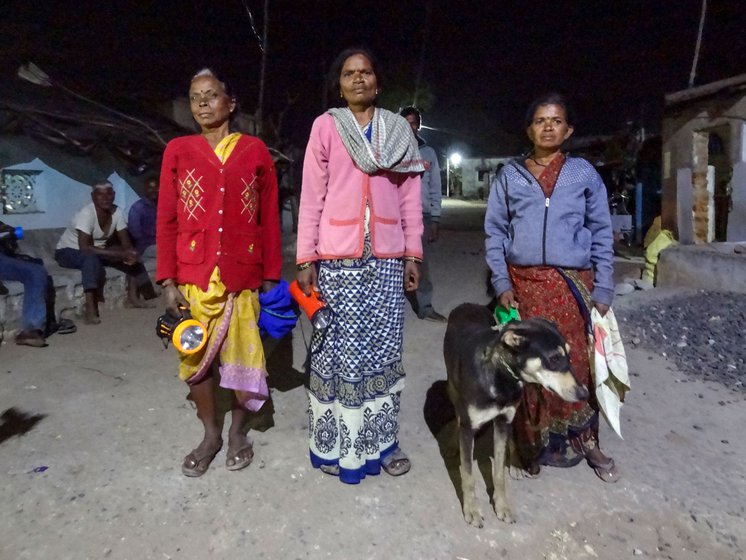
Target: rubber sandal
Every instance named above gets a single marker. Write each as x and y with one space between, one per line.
33 338
396 463
332 470
240 459
194 466
606 471
517 473
66 326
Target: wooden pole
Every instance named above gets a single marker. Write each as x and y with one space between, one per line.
699 43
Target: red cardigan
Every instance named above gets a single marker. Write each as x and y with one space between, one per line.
213 214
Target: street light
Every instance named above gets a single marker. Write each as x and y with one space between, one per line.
453 160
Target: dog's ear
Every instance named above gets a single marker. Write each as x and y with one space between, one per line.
512 338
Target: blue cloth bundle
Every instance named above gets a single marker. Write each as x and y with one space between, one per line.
279 312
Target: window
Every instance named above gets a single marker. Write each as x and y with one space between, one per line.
18 191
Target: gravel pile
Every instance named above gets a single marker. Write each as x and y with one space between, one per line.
702 334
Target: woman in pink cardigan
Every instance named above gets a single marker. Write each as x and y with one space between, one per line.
359 245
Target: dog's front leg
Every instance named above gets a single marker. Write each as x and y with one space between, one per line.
466 446
500 440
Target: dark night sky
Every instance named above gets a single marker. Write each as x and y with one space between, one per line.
484 61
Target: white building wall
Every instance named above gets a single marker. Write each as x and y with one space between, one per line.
59 197
737 217
470 172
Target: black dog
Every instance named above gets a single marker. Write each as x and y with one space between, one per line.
487 368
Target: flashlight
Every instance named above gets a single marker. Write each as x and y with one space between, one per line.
315 308
187 335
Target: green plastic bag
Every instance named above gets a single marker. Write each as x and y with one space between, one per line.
504 315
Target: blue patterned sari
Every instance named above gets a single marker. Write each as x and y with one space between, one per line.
356 371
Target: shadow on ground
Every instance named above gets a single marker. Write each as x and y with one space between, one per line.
282 377
17 423
440 418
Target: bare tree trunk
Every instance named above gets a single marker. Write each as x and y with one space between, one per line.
699 42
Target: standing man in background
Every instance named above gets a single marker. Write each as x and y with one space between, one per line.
422 299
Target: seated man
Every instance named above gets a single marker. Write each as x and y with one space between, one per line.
38 317
141 219
86 245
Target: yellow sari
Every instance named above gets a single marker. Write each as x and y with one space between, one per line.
232 330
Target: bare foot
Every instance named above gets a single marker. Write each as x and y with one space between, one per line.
596 456
90 315
91 319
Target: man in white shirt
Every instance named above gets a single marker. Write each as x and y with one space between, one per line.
422 299
86 245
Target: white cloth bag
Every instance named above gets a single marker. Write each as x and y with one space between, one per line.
609 362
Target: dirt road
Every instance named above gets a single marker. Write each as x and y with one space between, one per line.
98 475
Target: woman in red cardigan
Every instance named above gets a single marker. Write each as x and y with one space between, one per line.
218 243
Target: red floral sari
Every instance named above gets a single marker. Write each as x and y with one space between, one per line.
544 424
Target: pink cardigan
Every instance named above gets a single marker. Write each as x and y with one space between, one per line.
333 200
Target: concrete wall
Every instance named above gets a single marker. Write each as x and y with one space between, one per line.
715 266
682 127
737 218
59 197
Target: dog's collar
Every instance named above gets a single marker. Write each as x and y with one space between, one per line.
507 366
498 328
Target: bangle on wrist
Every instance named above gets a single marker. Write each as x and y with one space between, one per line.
412 259
304 266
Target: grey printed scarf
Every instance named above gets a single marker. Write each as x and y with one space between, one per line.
392 147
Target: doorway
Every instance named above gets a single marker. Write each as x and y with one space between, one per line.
718 150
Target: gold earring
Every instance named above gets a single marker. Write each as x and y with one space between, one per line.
340 94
